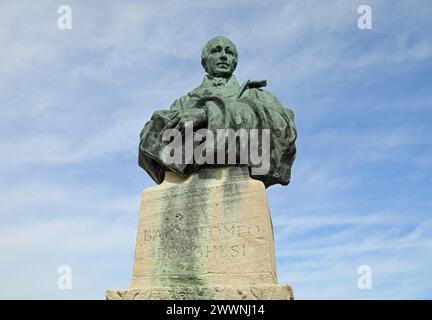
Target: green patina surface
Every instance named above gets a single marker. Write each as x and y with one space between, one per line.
184 208
231 194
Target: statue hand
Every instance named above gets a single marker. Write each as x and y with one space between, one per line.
197 116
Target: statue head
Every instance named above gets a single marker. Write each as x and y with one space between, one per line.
219 57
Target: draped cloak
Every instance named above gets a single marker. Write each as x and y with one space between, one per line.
228 106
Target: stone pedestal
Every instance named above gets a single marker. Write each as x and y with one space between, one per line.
208 236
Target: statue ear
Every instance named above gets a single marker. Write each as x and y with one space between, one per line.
203 64
235 64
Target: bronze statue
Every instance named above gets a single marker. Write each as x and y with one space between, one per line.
221 103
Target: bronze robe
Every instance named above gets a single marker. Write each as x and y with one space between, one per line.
227 105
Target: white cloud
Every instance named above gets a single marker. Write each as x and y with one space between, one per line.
71 98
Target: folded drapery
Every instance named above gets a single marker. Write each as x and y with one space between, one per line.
250 109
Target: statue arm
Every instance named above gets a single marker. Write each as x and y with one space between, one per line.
177 105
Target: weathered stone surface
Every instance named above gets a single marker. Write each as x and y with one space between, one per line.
208 236
257 292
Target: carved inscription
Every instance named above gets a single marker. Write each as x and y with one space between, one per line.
216 241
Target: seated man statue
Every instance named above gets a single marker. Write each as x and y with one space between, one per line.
243 121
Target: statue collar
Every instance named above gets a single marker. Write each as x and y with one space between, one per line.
230 86
210 81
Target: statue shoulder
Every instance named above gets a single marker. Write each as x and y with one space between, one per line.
180 103
254 89
189 99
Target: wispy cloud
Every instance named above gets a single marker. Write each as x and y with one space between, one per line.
73 103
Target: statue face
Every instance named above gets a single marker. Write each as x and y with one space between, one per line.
221 59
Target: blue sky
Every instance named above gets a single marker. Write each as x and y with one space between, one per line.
73 103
